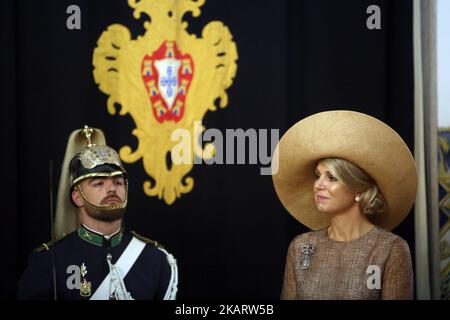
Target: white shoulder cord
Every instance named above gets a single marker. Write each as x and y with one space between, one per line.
118 286
172 289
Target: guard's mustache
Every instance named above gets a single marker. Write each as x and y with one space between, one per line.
114 196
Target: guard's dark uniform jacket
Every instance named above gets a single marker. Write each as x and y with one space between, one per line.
148 278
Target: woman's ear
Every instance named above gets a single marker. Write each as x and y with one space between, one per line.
76 198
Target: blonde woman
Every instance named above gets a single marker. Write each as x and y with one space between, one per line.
351 178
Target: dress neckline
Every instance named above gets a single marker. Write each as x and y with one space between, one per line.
325 234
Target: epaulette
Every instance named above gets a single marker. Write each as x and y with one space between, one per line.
46 246
147 240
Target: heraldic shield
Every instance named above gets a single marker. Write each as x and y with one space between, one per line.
166 79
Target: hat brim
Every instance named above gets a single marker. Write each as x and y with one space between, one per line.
353 136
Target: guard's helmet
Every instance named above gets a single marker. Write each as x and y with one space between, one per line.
87 156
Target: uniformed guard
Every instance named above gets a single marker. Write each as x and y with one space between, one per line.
93 257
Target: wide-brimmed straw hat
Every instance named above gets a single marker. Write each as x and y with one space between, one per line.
365 141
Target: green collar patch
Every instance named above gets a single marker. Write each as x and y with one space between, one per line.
98 239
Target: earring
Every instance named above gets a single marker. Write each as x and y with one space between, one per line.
357 199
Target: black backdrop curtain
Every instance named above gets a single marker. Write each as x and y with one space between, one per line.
230 233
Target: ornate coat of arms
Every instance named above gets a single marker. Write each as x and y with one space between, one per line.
165 79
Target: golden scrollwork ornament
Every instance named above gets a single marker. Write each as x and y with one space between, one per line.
165 79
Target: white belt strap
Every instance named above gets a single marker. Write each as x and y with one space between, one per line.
124 264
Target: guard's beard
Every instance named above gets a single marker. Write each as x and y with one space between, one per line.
105 215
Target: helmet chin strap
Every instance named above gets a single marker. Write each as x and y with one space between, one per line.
104 207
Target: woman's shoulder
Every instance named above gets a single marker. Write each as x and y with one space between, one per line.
391 241
388 236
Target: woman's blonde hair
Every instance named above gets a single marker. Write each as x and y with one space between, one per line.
357 180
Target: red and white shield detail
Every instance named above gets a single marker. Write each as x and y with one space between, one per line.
167 75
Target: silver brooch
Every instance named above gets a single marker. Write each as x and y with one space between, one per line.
305 259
